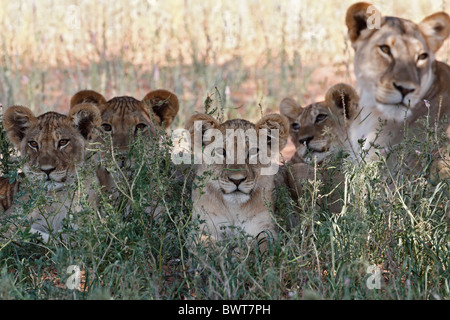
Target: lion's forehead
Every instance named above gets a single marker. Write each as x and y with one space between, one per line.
238 131
50 120
309 114
238 128
125 110
51 126
400 25
396 32
236 124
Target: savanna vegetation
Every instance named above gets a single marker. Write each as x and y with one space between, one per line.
232 59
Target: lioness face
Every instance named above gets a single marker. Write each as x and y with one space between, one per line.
320 129
393 63
53 143
397 63
237 161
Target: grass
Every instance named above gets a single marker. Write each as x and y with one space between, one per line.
246 56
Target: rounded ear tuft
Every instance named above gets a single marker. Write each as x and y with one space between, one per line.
290 108
278 122
87 96
164 104
436 29
344 98
16 121
356 19
207 122
85 117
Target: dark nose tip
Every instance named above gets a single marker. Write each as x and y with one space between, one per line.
122 161
237 182
306 140
404 91
48 171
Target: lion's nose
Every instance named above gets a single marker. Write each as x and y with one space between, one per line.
47 170
237 182
121 161
404 91
306 140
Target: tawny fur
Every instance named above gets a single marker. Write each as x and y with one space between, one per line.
123 117
321 128
55 148
396 71
319 131
222 203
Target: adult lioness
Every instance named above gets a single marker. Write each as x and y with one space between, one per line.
396 70
55 148
123 117
235 194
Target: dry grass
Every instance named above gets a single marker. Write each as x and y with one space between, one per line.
251 53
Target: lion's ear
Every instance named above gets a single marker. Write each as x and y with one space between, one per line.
344 98
201 123
16 121
436 29
85 117
275 122
356 19
164 104
87 96
290 109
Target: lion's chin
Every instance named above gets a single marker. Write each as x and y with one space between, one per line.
54 185
398 111
236 197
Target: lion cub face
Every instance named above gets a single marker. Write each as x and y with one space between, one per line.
320 129
237 157
53 143
394 63
124 117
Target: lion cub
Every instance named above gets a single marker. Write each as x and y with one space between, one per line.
236 193
55 148
124 117
319 131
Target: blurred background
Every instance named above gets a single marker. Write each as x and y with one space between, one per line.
247 55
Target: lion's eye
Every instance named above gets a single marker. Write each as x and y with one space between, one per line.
422 56
63 142
321 117
295 126
33 144
385 49
141 126
107 127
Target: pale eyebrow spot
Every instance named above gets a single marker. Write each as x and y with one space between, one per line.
418 46
393 40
